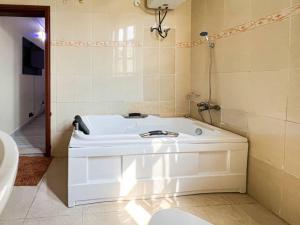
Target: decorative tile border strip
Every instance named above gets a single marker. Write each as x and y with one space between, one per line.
184 45
62 43
277 17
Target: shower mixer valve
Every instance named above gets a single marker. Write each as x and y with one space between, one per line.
203 106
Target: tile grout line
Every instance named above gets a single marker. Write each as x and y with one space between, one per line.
34 198
31 205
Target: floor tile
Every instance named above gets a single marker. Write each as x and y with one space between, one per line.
12 222
31 137
48 204
51 197
261 215
60 220
19 203
114 218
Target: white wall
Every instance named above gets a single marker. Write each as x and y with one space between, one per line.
19 94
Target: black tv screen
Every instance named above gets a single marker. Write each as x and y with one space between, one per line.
33 58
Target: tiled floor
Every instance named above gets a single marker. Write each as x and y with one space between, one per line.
31 137
44 205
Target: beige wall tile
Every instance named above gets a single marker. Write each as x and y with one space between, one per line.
167 88
290 210
235 54
167 61
295 42
266 136
183 23
66 28
150 60
53 87
127 27
292 149
265 184
233 91
267 7
255 89
124 88
215 15
167 108
199 18
234 120
53 116
293 109
150 38
199 61
236 12
170 40
268 93
183 33
270 47
200 86
53 58
74 88
114 7
183 61
102 27
102 61
60 142
183 88
74 60
144 107
151 88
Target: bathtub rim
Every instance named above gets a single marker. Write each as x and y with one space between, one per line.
80 140
8 167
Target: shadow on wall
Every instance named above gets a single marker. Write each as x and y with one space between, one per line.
60 142
56 179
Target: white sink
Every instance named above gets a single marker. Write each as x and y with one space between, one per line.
9 158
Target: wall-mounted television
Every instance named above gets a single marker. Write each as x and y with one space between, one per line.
33 58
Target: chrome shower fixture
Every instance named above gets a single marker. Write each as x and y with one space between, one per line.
204 34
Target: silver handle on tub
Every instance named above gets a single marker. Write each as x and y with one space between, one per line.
159 133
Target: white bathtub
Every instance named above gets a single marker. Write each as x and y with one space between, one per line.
9 158
176 217
115 162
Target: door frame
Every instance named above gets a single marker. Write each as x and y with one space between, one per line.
38 11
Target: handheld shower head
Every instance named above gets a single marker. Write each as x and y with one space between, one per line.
204 34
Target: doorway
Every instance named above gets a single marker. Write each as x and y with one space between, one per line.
36 72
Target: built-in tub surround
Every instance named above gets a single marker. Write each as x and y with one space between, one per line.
115 161
9 157
256 82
